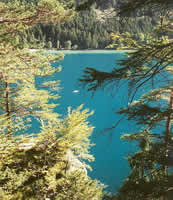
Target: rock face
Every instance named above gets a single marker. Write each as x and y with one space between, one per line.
74 163
103 15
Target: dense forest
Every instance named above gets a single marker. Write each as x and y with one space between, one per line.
91 29
40 165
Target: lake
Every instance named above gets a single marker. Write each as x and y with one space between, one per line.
110 166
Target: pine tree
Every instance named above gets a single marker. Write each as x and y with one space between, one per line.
49 45
35 166
67 44
150 177
58 44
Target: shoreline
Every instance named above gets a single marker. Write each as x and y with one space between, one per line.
90 51
81 51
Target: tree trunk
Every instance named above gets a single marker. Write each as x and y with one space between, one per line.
166 136
7 103
168 128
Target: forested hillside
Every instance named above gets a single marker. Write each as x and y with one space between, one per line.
91 29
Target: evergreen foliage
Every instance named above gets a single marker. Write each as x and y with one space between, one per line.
36 166
90 30
150 61
150 177
123 41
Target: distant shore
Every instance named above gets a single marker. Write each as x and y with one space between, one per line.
81 51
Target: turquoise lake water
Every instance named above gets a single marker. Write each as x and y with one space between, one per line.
110 166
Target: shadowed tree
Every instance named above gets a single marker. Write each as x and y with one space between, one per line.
148 64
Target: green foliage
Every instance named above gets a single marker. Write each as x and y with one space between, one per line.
19 97
123 41
36 166
49 45
67 44
149 177
58 44
75 47
137 69
23 15
91 30
133 5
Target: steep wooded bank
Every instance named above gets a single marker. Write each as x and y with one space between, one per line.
91 29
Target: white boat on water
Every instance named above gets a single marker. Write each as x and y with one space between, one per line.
75 91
